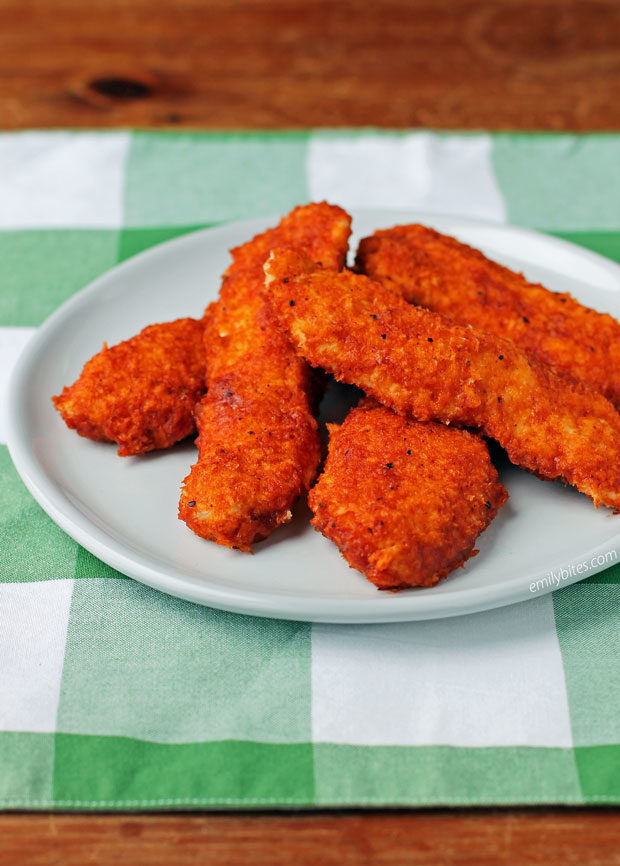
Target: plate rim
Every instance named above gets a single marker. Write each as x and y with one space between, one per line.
264 603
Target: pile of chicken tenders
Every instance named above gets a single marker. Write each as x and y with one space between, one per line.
449 348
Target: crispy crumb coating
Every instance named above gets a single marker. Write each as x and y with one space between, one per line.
404 501
426 366
258 440
446 276
140 393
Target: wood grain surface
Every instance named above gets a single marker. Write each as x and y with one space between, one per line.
261 64
479 838
246 64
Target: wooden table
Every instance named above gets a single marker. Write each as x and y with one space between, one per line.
495 64
424 838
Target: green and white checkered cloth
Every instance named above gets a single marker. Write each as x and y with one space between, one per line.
114 696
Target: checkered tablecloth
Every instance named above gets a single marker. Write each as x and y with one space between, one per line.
114 696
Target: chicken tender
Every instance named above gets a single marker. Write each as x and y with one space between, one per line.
140 393
427 367
403 501
258 442
438 272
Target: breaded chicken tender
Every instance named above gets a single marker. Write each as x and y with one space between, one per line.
258 442
140 393
427 367
404 501
446 276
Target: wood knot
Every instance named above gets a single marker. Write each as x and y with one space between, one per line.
120 88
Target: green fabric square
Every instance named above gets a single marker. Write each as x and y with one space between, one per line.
559 181
443 775
610 575
586 616
185 179
88 566
26 769
142 664
32 547
604 243
134 241
41 269
113 772
599 773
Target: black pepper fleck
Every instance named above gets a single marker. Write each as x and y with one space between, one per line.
285 280
383 336
488 504
499 399
430 339
291 303
389 465
191 504
526 320
501 357
374 316
409 451
229 393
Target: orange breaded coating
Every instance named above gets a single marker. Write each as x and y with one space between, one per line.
426 366
403 501
140 393
446 276
258 440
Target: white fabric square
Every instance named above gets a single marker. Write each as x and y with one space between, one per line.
33 630
12 341
62 179
422 171
488 679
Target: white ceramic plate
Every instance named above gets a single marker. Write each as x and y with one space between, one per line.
124 510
